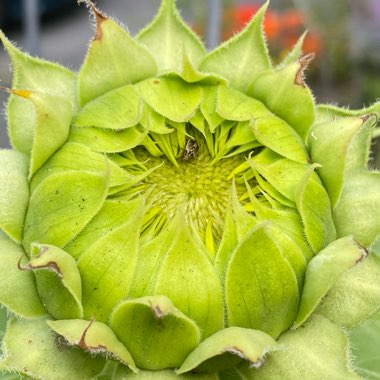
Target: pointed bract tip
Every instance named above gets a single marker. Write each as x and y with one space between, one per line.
306 59
301 40
99 17
82 342
8 45
168 3
3 38
304 63
164 5
22 93
260 12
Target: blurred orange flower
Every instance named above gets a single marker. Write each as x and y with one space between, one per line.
282 28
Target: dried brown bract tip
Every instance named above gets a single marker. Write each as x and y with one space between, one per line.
82 343
99 17
304 62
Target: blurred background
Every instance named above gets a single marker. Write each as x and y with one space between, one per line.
344 34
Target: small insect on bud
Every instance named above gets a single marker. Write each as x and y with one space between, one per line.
191 150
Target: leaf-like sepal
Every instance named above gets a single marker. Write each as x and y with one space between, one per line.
237 223
107 266
327 112
154 122
117 109
323 272
291 252
58 281
151 256
189 73
296 52
208 106
241 58
39 76
228 347
318 350
171 97
32 350
111 216
284 92
341 147
14 192
51 125
114 59
313 205
356 212
62 205
233 105
187 276
365 341
355 296
279 136
78 157
283 174
176 264
93 337
157 334
289 221
108 141
275 197
261 287
169 38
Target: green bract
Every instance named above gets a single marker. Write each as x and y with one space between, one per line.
171 212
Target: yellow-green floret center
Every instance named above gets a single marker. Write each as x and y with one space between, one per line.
198 186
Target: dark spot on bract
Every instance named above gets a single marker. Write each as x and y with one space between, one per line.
60 342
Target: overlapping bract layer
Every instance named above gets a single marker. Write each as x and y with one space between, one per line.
184 211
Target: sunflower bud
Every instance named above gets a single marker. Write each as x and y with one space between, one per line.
169 211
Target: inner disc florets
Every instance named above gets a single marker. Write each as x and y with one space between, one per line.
197 186
192 170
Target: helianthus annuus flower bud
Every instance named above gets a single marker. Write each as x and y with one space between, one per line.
169 211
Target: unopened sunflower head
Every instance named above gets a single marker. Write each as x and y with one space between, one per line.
177 211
